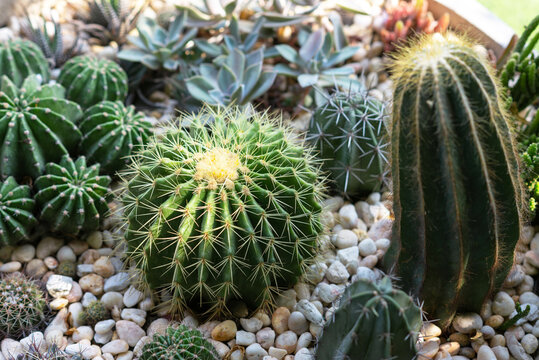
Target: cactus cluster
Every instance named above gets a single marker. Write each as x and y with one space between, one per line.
228 210
72 197
373 321
530 173
350 134
457 195
16 212
20 58
182 343
95 312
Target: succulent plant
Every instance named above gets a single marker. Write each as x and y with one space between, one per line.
182 343
16 208
67 268
37 125
20 58
530 173
158 48
89 80
95 312
210 14
112 132
22 305
350 133
449 120
227 212
373 321
71 196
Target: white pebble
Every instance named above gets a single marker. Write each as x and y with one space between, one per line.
115 347
252 325
310 312
467 323
367 247
59 285
255 352
345 239
266 337
529 343
132 297
348 216
245 338
117 282
503 304
104 327
485 353
297 322
337 273
112 299
65 253
83 332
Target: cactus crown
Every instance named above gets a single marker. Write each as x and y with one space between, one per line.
21 58
16 208
227 211
94 313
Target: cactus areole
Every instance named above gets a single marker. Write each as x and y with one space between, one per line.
457 197
227 211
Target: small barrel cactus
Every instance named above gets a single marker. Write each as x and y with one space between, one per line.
20 58
37 125
72 197
112 132
350 133
226 212
457 195
95 312
16 208
22 306
66 268
89 80
179 344
373 321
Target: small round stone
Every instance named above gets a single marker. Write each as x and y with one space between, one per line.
367 247
279 320
287 341
529 343
225 331
503 304
345 239
467 323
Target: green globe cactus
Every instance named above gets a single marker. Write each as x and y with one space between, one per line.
16 208
225 212
20 58
94 313
112 132
37 125
373 321
89 80
22 306
350 134
457 195
179 344
72 197
66 268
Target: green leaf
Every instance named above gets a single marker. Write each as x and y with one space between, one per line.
251 76
150 62
289 53
188 36
306 80
286 70
340 56
263 84
312 46
226 77
275 20
175 29
338 33
133 55
199 88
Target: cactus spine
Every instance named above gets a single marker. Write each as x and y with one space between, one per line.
179 344
457 196
16 207
21 58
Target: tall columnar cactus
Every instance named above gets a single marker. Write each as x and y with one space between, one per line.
373 321
21 58
457 196
229 210
71 196
179 344
89 80
112 132
350 134
37 125
16 207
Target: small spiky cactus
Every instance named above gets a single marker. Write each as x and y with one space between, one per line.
226 211
89 80
16 208
373 321
66 268
22 306
350 134
95 312
112 132
37 125
72 197
457 195
179 344
20 58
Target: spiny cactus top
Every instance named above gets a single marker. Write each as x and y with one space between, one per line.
16 207
89 80
37 125
179 344
228 211
72 196
111 132
20 58
457 196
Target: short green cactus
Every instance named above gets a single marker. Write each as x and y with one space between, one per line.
37 125
530 173
72 197
89 80
16 208
112 132
94 313
225 212
22 306
373 321
20 58
179 344
66 268
351 135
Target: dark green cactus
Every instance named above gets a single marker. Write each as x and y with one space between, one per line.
179 344
226 212
94 313
112 132
71 196
89 80
16 207
350 134
37 125
374 321
530 173
457 195
20 58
